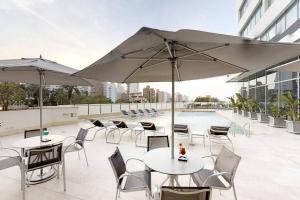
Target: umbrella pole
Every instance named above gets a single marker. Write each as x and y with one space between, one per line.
173 101
41 104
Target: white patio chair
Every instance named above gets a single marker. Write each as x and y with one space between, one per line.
225 167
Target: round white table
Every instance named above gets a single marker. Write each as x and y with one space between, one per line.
160 160
35 142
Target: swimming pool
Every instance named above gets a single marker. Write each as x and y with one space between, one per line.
201 121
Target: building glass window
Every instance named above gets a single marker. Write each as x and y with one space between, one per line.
243 8
273 77
287 75
288 86
261 81
251 93
260 97
280 25
272 96
272 32
268 3
291 15
252 83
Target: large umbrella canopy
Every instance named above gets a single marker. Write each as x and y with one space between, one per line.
38 71
293 66
153 55
27 70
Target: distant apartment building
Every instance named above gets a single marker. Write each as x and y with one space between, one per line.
149 94
137 97
111 91
160 96
133 88
178 97
268 20
121 92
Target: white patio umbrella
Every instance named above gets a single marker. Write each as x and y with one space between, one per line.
41 72
153 55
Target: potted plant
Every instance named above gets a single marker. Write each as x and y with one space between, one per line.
276 119
262 117
293 121
253 108
233 104
240 103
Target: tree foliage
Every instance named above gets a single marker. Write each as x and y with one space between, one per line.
11 94
207 98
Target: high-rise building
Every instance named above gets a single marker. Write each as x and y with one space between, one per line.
121 92
149 94
111 91
268 20
160 96
133 87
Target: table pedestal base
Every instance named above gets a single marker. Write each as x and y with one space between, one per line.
172 180
40 176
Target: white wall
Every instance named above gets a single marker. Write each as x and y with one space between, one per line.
20 120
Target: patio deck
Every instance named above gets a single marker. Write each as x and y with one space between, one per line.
270 167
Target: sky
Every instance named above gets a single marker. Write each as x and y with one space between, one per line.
76 33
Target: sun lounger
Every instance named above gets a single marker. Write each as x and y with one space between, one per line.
99 125
121 128
219 135
150 113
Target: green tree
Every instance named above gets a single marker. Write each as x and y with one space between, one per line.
10 94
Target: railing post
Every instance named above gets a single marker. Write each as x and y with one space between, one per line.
129 106
111 108
120 107
88 109
100 108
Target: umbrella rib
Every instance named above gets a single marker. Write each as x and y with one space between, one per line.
140 58
142 65
208 56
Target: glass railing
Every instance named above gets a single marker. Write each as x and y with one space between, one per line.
96 109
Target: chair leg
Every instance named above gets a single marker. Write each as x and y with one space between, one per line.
23 182
78 155
57 171
87 163
64 173
117 193
234 191
190 180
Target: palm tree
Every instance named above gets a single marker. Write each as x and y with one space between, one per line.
292 105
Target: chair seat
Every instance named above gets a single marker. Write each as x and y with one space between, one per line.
201 176
133 183
72 148
10 162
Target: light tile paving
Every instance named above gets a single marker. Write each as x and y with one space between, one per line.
270 166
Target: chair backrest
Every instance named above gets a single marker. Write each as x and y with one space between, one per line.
147 110
227 161
148 126
133 112
181 128
80 139
154 110
155 142
118 165
45 156
141 111
124 112
98 123
219 130
33 133
120 124
186 193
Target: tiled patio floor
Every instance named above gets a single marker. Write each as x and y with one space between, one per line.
270 167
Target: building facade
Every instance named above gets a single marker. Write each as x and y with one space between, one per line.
149 94
111 91
268 20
